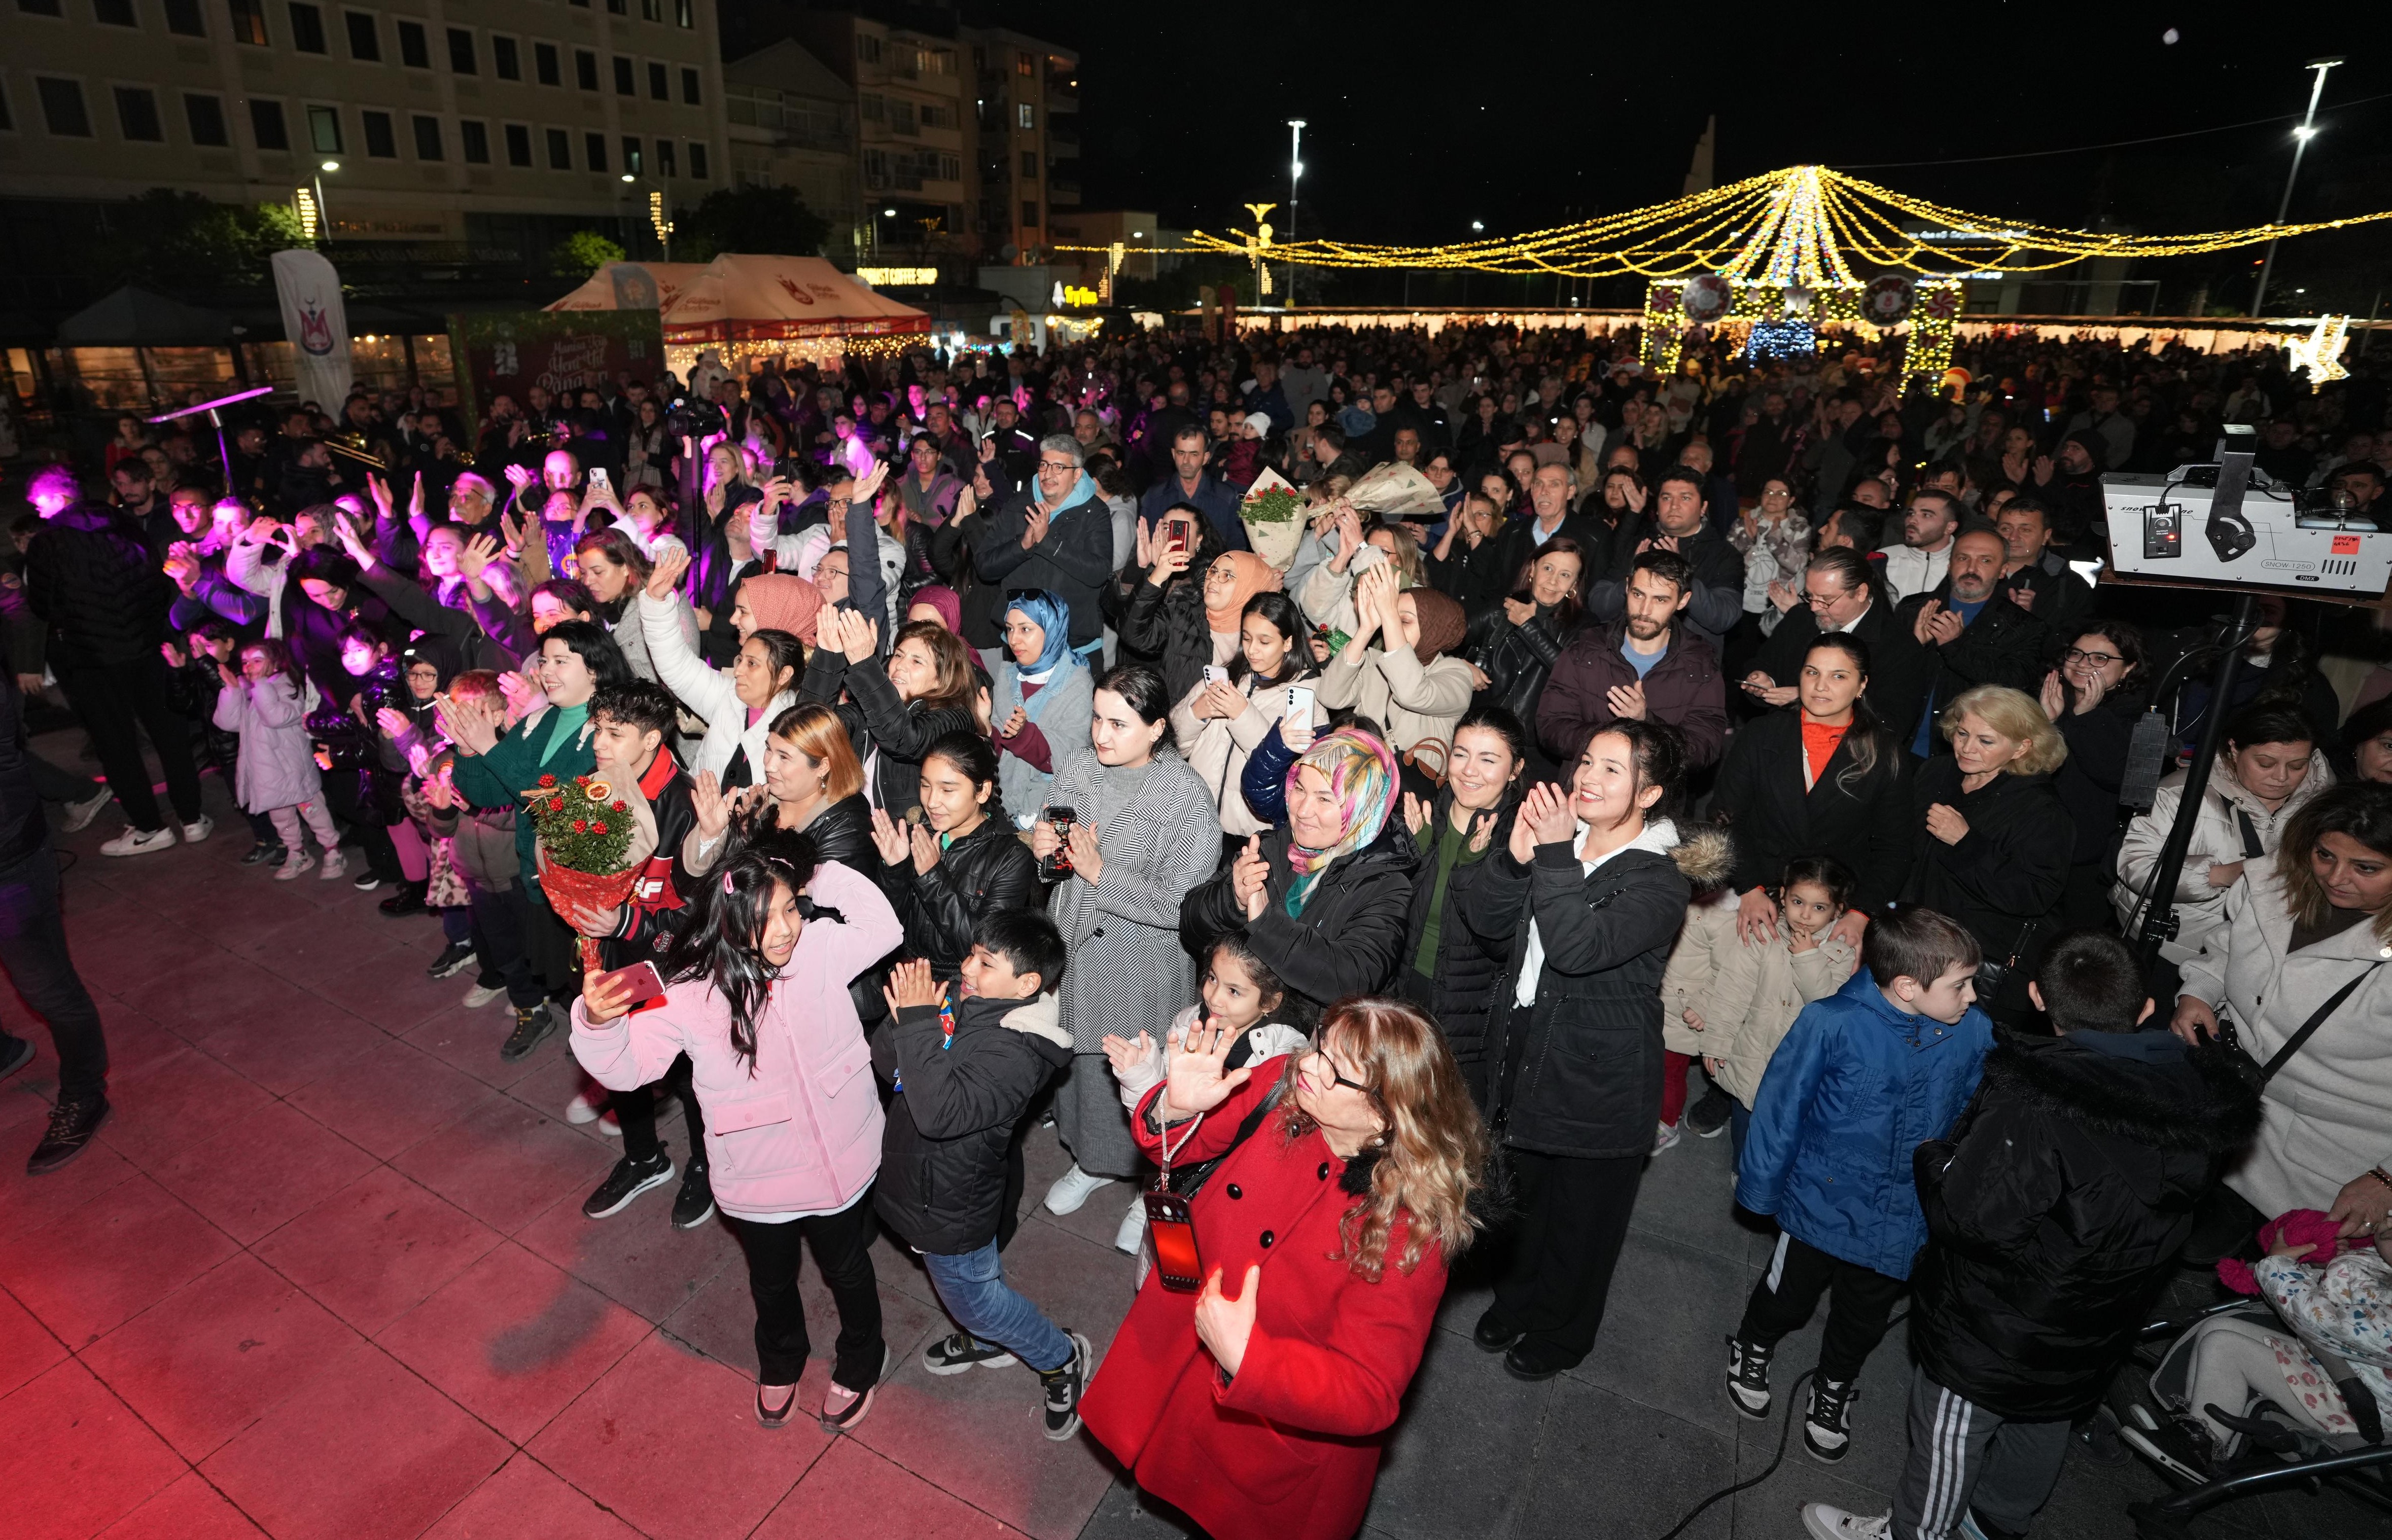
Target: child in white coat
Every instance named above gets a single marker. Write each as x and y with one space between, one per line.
1759 989
276 772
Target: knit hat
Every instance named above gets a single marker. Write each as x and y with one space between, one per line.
1442 624
783 601
944 599
1363 777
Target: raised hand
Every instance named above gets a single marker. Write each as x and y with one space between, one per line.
476 559
1125 1055
910 985
2053 696
392 723
1087 860
860 637
1196 1081
926 847
1416 814
671 563
173 654
1250 879
519 478
1482 832
1519 611
886 837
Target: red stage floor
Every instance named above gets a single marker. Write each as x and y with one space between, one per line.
325 1273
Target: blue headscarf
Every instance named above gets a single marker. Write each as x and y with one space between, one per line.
1050 614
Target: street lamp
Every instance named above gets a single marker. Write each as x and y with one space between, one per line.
323 214
1294 175
2301 137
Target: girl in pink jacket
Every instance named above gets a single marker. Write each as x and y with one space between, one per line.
758 999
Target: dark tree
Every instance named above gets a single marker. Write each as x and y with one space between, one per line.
766 221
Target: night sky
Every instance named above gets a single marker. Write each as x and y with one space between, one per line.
1423 119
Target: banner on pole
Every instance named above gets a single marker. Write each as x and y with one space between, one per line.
318 324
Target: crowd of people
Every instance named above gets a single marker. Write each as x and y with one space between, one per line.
1597 758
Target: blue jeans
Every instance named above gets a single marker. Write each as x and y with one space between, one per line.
971 1284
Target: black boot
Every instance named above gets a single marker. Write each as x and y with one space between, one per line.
72 1122
408 900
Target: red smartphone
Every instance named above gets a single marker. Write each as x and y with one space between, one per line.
1173 1233
1177 537
647 985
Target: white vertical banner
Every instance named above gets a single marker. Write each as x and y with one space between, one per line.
317 325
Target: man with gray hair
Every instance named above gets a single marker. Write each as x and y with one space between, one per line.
1057 534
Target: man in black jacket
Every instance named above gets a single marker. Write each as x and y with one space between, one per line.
1056 534
1551 492
1840 593
2054 1213
1677 523
34 952
959 1079
92 581
1972 633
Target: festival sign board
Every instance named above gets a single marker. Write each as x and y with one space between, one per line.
507 352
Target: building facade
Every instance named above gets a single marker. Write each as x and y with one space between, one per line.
792 123
1026 120
908 76
492 122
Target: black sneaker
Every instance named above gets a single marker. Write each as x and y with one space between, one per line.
268 854
454 959
1063 1387
1707 1118
960 1351
19 1054
1493 1333
408 900
627 1180
1748 1377
366 881
1827 1430
533 1024
843 1408
71 1125
694 1203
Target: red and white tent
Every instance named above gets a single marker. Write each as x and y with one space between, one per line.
746 299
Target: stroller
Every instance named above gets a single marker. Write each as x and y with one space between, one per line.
2308 1402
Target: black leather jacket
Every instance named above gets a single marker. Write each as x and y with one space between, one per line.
1515 659
987 870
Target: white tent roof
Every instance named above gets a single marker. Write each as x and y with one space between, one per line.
738 298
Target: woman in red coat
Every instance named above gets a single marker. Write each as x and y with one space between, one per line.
1261 1411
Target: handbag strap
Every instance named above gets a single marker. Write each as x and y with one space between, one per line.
2251 848
2309 1029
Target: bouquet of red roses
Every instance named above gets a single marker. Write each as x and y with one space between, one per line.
586 835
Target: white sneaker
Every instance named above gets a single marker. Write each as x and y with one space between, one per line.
199 829
585 1105
1825 1522
292 864
133 842
1072 1189
478 997
1667 1135
335 866
79 814
1131 1236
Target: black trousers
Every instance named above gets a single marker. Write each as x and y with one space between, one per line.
636 1111
549 946
498 943
1573 1220
354 798
33 951
117 701
1781 1302
842 1245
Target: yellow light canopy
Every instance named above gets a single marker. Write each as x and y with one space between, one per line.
1804 225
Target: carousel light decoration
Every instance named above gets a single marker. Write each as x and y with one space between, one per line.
2320 350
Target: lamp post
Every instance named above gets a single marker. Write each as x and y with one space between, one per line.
1294 175
324 214
2301 137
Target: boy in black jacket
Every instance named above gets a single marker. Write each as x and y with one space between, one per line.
961 1078
2054 1215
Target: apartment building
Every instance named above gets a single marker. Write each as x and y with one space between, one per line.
1026 115
910 110
502 122
792 124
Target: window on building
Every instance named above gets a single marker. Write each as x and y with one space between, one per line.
560 149
1024 65
205 116
461 52
308 29
414 45
113 13
248 21
617 7
625 85
585 69
632 159
867 48
652 10
1030 165
544 64
137 114
594 148
685 16
1026 117
901 116
506 61
38 8
518 143
698 160
876 106
689 86
365 36
665 167
951 168
474 141
183 16
382 136
1029 215
324 129
659 82
266 124
428 137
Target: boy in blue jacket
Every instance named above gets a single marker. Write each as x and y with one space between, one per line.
1861 1078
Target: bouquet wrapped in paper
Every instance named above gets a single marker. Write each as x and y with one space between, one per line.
1273 515
1395 491
593 839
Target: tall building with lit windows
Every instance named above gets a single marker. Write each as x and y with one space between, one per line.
458 129
1026 118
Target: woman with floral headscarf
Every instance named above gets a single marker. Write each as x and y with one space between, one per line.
1038 700
1325 897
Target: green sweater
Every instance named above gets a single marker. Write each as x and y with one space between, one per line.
553 744
1452 850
